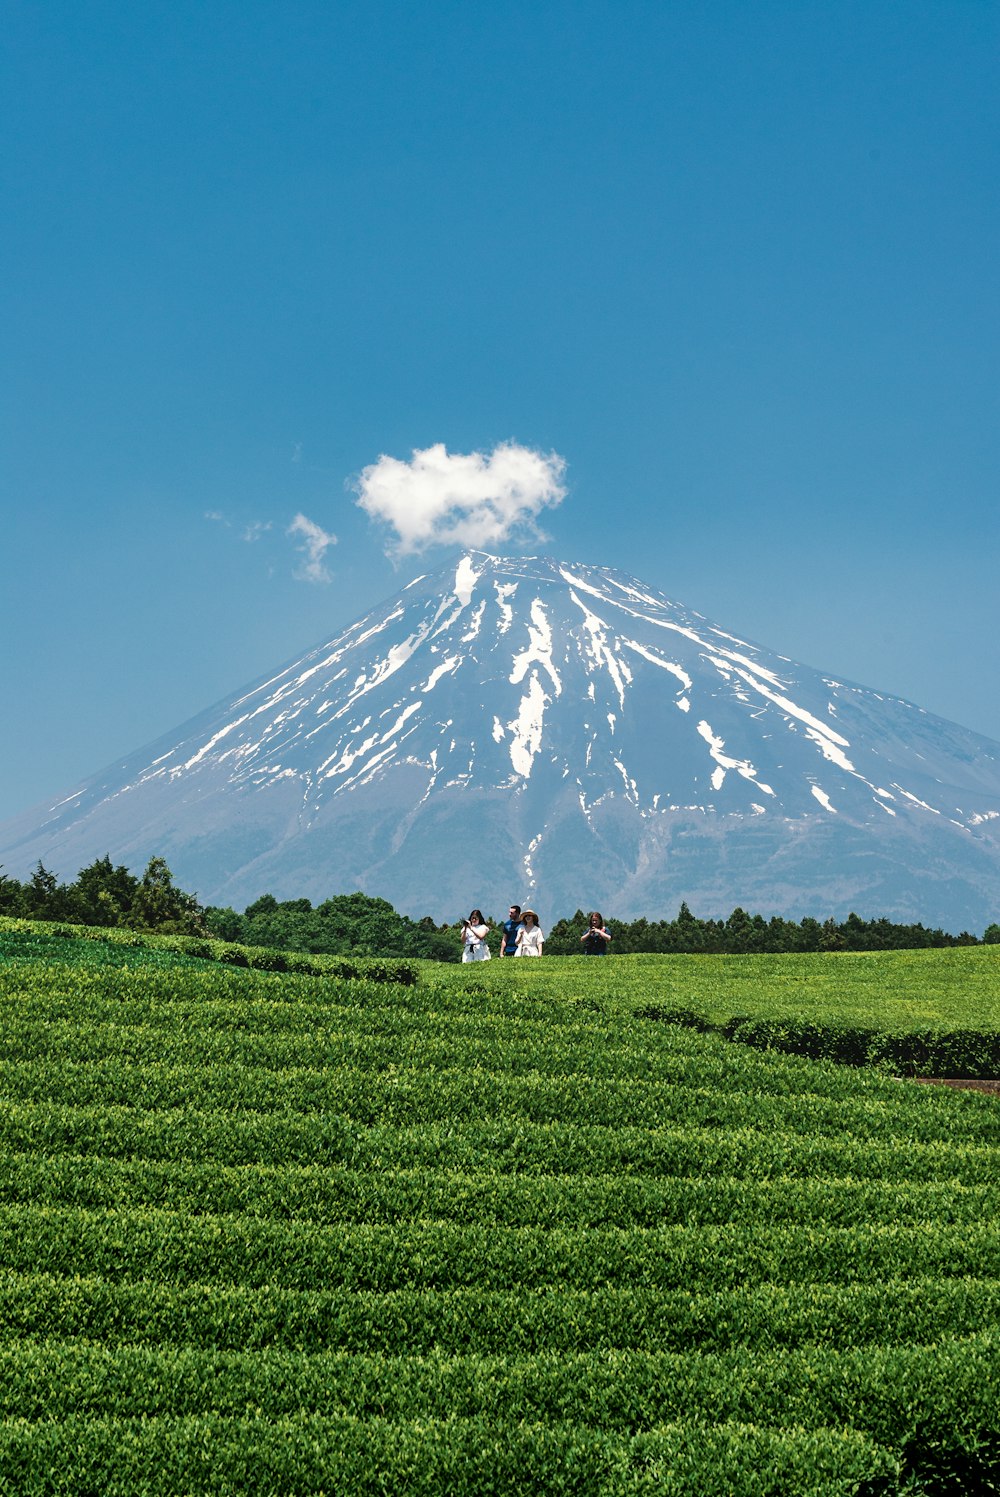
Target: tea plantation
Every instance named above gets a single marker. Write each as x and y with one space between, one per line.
499 1230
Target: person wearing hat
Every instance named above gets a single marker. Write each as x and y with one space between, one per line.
529 937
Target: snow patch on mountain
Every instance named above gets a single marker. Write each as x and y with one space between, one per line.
538 648
466 577
527 728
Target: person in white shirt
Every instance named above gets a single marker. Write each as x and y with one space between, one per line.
474 933
529 937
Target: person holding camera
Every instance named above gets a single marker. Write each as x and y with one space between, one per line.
474 933
595 938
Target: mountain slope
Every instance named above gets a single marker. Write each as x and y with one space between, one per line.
522 728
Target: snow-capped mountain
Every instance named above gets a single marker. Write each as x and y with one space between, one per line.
520 728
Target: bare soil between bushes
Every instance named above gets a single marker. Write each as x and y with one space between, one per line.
992 1087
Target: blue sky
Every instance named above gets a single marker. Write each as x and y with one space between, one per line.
736 264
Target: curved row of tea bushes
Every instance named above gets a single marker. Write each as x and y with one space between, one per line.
205 948
972 1054
116 1311
939 1150
175 1248
327 1195
262 1232
309 1454
620 1391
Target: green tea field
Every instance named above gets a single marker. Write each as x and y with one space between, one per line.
501 1230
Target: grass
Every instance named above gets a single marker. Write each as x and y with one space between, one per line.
956 987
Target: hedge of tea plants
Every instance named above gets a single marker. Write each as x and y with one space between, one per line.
267 1232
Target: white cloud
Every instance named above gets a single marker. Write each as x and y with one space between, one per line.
256 529
314 545
472 499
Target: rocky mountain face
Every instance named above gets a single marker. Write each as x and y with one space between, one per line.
559 734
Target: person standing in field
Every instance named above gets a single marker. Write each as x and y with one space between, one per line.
595 938
529 938
474 933
510 928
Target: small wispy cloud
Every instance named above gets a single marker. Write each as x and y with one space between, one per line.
472 499
314 543
217 516
256 529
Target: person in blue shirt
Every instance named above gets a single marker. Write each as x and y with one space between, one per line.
510 928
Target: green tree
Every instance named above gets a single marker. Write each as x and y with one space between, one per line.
12 900
740 933
103 894
45 897
225 924
265 905
563 936
160 905
831 937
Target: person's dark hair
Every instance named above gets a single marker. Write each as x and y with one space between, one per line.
476 917
596 918
516 908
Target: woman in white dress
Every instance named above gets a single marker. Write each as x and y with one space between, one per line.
529 937
474 933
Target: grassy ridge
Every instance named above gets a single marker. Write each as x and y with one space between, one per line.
951 988
927 1013
492 1232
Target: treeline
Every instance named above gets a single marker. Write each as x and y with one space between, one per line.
744 933
348 924
106 895
359 924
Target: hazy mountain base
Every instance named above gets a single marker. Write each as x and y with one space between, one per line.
461 846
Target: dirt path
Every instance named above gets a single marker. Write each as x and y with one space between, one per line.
992 1087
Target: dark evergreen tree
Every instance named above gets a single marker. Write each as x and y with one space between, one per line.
12 900
103 894
45 897
160 905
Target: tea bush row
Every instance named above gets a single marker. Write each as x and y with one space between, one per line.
308 1455
888 1393
963 1053
324 1195
931 1144
273 1035
154 1243
408 1095
257 958
971 1053
113 1311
